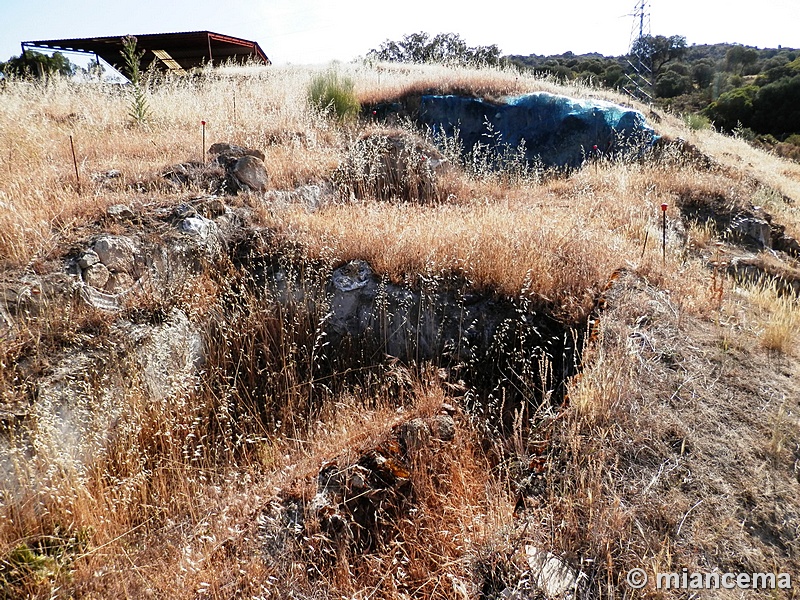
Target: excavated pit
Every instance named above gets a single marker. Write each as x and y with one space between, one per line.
329 327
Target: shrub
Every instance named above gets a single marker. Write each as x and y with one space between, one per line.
696 122
331 92
733 108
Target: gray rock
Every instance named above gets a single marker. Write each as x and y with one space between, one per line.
119 211
554 577
250 173
119 282
6 325
88 259
106 175
311 196
197 226
359 479
214 207
118 253
786 243
225 150
415 434
443 428
96 275
101 300
330 479
353 276
753 228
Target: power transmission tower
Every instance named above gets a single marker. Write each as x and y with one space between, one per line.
640 62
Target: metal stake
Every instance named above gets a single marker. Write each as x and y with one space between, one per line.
664 232
203 153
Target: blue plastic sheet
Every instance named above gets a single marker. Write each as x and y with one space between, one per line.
556 130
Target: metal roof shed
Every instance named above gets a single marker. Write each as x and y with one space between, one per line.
173 51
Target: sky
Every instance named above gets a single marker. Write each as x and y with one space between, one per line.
320 31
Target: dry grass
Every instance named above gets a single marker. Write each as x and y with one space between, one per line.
649 462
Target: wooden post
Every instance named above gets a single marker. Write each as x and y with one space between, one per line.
75 164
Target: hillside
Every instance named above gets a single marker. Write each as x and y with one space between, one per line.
384 368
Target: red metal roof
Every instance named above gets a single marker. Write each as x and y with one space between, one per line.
188 49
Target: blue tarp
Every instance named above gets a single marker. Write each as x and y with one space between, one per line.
559 131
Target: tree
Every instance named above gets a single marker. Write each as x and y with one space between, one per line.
138 108
671 84
776 106
703 73
739 56
443 48
659 50
614 76
38 65
733 108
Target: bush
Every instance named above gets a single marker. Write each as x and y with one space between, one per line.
672 84
330 92
696 122
733 108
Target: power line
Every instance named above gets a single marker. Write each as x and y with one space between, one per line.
639 73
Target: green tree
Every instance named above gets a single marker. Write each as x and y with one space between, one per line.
741 57
38 65
443 48
614 76
671 84
659 50
733 108
777 107
703 73
138 108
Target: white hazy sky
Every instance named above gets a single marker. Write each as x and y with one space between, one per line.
318 31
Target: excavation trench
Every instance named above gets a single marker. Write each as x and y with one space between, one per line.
347 323
281 336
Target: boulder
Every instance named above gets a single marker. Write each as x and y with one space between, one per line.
197 226
752 229
117 253
415 435
88 259
96 276
119 282
443 428
550 574
786 243
224 150
353 276
250 173
119 212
